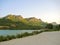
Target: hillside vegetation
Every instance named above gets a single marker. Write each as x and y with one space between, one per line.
18 22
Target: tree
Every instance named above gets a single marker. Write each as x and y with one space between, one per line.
58 27
49 26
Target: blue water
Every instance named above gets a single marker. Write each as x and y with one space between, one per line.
13 32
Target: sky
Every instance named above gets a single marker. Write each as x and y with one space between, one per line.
46 10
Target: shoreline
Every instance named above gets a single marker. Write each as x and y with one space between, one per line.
45 38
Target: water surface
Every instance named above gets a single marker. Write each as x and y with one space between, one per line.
13 32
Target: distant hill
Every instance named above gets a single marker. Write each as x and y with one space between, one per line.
54 23
18 22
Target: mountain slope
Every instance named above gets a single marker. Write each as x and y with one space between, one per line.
18 22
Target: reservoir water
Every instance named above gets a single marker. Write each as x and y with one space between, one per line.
13 32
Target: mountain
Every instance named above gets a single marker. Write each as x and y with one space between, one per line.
18 22
34 21
14 17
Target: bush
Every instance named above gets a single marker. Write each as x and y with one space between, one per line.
35 32
18 36
8 37
25 34
3 38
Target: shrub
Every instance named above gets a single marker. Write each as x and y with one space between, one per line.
18 36
3 38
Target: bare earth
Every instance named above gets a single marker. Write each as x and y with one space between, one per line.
45 38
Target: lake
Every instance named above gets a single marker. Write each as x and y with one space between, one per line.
13 32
